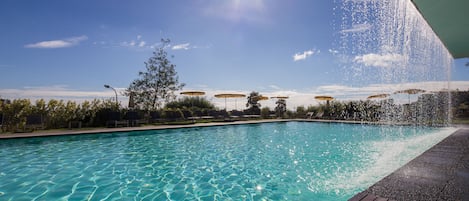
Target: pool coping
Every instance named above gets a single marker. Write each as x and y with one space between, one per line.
46 133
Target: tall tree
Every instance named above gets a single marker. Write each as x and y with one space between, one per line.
157 84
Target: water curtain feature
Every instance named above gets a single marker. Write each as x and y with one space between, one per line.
387 46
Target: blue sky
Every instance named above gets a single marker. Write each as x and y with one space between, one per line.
70 49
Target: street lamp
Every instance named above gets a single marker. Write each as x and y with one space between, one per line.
109 87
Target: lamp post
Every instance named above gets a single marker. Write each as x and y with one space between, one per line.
109 87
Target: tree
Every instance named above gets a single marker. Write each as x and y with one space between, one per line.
191 102
252 104
15 113
281 107
158 83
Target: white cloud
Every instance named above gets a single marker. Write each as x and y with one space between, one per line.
184 46
68 42
357 28
332 51
100 43
139 43
304 55
380 60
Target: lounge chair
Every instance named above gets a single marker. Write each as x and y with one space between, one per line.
155 117
193 115
215 114
114 120
134 118
250 115
204 114
309 115
319 115
33 122
173 115
235 114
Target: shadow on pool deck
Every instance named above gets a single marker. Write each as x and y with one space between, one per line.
440 173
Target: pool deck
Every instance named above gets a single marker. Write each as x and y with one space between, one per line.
440 173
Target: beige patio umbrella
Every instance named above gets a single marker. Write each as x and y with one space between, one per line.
263 98
193 93
280 97
378 96
410 91
324 98
230 95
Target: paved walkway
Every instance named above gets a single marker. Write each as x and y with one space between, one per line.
440 173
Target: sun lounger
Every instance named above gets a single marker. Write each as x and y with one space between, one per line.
251 116
33 122
155 116
235 114
114 120
134 118
319 115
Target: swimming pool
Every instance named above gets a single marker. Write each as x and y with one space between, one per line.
269 161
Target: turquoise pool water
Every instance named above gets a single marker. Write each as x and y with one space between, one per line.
270 161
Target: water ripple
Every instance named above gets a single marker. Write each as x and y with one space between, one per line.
285 161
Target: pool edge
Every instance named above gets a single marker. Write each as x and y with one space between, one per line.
47 133
131 129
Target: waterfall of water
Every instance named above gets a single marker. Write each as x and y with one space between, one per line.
388 44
